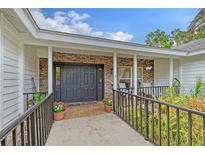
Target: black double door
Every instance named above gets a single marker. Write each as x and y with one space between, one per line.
78 83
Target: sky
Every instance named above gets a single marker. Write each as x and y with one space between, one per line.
130 25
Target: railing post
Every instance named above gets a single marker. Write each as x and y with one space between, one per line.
146 120
27 105
189 129
178 127
22 134
204 130
113 105
33 132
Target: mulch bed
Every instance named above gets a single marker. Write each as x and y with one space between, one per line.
84 110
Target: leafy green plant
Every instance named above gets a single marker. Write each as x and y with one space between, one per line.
176 83
58 107
37 97
108 103
197 89
170 92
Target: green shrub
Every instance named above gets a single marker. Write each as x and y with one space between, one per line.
197 133
196 101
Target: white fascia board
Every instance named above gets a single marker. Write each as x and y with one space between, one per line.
199 52
89 48
87 40
54 36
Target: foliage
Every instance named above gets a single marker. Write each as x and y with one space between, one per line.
200 33
176 83
197 89
197 103
159 38
58 107
108 103
37 97
180 37
196 30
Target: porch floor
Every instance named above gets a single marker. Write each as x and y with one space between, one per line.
105 129
84 110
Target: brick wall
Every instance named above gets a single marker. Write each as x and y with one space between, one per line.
94 59
43 74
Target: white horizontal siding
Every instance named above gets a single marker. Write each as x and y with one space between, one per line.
30 68
11 82
161 72
193 68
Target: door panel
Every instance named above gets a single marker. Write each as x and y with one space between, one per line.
78 83
88 83
70 83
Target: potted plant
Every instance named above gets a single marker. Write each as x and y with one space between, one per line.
108 106
59 111
64 105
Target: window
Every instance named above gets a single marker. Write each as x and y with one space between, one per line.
125 75
100 75
58 72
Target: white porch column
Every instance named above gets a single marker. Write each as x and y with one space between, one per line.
50 70
180 70
135 73
171 71
115 70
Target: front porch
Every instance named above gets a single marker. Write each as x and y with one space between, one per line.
80 76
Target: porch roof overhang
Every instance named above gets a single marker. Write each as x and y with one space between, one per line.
60 39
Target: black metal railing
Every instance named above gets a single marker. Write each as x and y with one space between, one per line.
29 97
150 92
32 127
160 122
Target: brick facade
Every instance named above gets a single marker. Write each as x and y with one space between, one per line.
148 76
43 74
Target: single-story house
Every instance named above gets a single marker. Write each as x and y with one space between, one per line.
79 68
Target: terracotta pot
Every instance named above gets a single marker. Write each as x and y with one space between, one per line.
59 115
108 108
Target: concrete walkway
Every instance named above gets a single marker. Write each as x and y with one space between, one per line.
104 129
